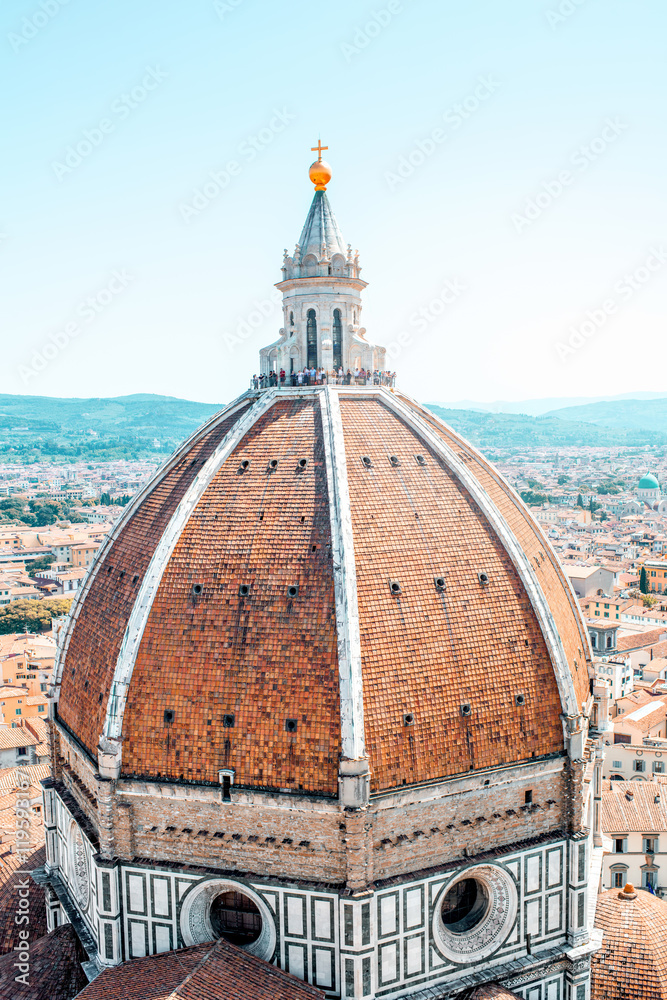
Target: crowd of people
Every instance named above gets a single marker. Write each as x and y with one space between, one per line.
318 376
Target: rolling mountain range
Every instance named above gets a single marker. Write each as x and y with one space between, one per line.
44 428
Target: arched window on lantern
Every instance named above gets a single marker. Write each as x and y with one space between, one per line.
337 340
311 339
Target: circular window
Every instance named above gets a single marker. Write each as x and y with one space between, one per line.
475 913
465 904
217 908
235 917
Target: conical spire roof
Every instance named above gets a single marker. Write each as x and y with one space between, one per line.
321 229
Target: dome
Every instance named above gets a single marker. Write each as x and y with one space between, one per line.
322 575
648 482
633 959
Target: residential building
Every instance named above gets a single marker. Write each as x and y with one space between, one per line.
590 580
22 744
616 673
634 819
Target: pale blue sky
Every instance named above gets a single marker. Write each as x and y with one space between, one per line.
212 75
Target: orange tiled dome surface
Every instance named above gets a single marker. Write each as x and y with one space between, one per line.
632 961
223 679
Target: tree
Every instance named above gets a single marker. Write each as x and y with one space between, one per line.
643 581
32 616
580 501
603 515
533 499
563 479
648 600
35 567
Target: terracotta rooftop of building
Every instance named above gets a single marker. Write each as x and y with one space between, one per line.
489 991
218 971
14 875
19 736
632 962
637 806
629 702
54 968
10 776
645 718
639 640
317 574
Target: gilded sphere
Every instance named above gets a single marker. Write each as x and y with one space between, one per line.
320 174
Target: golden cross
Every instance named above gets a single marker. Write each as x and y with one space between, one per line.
318 149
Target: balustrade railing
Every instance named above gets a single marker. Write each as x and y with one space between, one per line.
299 380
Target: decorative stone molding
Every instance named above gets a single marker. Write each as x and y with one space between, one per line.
494 927
195 916
79 869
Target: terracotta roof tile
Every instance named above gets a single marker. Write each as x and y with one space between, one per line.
263 659
632 962
219 971
489 991
19 736
414 523
218 674
562 602
639 639
95 642
14 875
55 971
640 813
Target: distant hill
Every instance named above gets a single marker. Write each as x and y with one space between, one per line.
33 428
516 430
636 414
540 407
44 428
